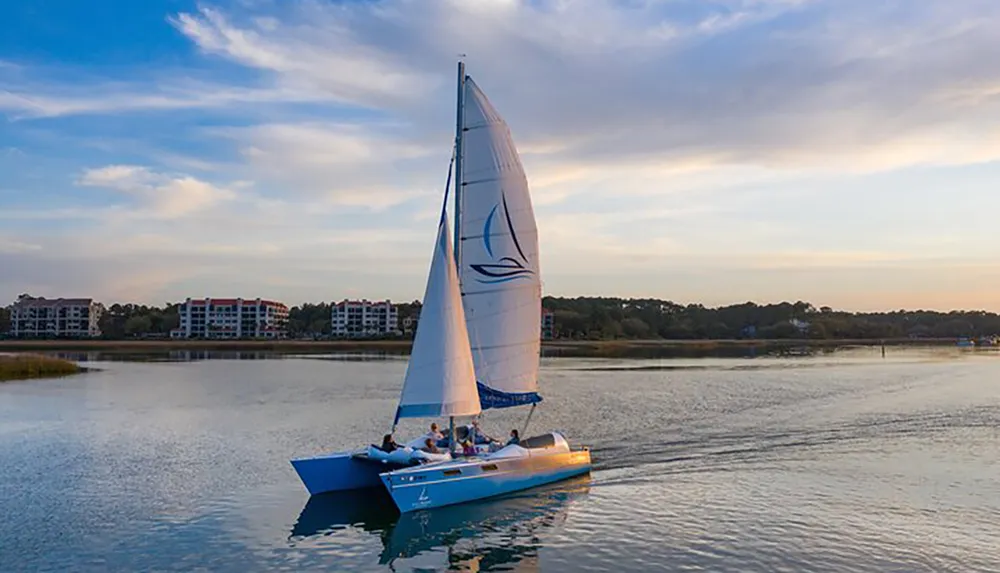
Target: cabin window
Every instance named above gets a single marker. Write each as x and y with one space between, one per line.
537 442
489 467
452 472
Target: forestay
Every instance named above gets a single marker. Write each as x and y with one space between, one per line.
440 377
499 259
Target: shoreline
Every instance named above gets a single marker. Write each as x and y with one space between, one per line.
567 348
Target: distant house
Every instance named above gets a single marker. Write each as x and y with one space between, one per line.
801 325
39 317
410 325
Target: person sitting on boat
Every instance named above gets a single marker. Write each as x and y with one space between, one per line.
478 436
388 444
468 449
515 438
435 434
429 447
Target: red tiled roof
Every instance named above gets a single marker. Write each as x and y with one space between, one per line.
235 301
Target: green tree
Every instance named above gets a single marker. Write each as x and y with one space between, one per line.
112 322
569 324
138 324
633 327
603 317
817 330
309 320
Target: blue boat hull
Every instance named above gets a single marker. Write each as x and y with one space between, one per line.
337 472
449 483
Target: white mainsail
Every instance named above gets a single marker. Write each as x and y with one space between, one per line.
501 286
440 377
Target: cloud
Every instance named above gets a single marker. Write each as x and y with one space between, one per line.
361 166
316 53
166 196
212 252
121 97
11 246
784 85
178 235
667 138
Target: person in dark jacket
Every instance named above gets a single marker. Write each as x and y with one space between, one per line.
388 444
515 438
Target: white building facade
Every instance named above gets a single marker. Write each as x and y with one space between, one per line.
548 324
231 318
55 318
364 319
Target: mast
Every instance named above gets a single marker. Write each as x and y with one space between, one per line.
459 135
459 179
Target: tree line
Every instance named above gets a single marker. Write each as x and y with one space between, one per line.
604 318
612 318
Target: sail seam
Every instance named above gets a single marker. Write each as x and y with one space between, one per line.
478 181
500 234
508 289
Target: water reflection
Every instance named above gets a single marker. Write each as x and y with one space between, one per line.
372 510
479 536
636 350
199 355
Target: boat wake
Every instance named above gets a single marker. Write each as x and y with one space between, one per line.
644 461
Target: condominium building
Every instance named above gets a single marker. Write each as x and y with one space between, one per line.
363 319
548 323
51 318
231 318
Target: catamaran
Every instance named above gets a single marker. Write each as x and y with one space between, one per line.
478 341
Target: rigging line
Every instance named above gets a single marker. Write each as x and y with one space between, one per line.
447 185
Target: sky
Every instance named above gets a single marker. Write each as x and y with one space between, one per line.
841 152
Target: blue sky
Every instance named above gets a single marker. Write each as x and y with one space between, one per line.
842 152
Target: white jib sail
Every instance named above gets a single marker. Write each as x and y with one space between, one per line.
440 377
500 271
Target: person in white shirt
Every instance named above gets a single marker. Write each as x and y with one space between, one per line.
434 434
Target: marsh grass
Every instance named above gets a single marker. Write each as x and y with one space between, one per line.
24 366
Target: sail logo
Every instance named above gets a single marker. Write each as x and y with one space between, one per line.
423 498
507 268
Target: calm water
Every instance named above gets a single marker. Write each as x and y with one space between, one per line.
840 463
